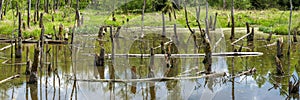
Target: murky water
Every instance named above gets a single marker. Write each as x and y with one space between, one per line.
77 62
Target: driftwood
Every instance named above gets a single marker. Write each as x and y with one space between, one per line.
189 55
10 78
241 38
162 79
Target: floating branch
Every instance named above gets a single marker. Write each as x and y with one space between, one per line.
162 79
228 54
9 78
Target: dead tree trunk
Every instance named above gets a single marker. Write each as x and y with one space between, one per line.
46 3
112 43
279 67
60 32
290 23
42 45
41 21
28 12
295 36
164 26
28 64
250 37
279 47
143 14
232 19
77 16
1 4
19 44
215 22
224 4
99 59
175 33
33 74
206 21
208 54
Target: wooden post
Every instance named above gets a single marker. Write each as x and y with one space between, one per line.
41 21
232 20
19 44
28 13
279 47
33 74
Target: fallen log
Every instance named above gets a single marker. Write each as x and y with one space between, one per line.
162 79
36 41
8 46
188 55
9 78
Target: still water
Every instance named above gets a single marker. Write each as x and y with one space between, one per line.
69 62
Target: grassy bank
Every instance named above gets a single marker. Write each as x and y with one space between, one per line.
271 20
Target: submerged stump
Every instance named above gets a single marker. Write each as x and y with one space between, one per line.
279 47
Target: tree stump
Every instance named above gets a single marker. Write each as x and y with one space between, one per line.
33 75
279 47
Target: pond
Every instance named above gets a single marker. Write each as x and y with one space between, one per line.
65 63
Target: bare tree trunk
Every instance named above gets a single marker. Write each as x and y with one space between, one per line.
1 3
143 14
206 22
77 18
19 46
232 19
164 26
46 3
290 22
33 74
28 13
224 4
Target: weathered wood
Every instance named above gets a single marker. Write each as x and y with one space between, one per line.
248 72
270 36
99 59
250 37
215 22
41 24
279 67
163 79
206 22
232 20
164 25
208 55
33 75
28 12
10 78
279 47
295 36
227 54
241 38
36 41
19 40
60 32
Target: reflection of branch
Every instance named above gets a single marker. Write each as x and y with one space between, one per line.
153 79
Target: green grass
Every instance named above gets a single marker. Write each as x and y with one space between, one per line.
271 20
